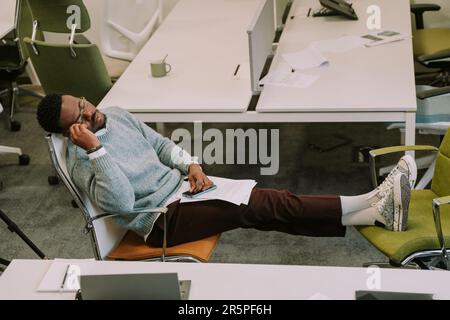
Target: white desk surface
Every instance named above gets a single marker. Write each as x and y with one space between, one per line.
365 79
205 41
7 17
238 281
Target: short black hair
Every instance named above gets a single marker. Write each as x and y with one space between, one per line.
49 113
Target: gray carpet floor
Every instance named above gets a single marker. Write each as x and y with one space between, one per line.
45 213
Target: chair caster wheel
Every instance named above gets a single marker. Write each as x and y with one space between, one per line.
15 126
74 204
53 180
24 160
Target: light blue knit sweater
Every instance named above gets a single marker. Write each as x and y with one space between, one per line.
136 174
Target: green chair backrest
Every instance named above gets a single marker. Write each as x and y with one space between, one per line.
441 178
84 75
58 15
24 27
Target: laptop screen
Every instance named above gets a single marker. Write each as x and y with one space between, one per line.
149 286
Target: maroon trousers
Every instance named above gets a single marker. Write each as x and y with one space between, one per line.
267 210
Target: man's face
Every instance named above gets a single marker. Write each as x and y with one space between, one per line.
78 110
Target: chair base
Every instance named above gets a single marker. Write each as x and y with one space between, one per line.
390 265
15 91
180 258
428 260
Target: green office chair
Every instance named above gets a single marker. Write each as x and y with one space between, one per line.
13 59
76 67
423 244
431 46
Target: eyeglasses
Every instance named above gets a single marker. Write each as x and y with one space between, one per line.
81 106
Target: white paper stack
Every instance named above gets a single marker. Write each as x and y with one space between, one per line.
305 59
289 79
340 45
62 276
234 191
384 37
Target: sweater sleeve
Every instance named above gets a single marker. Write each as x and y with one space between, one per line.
106 184
168 152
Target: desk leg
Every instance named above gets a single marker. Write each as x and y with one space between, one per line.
160 127
410 130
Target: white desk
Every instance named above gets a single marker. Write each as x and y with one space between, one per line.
238 281
363 85
205 41
7 17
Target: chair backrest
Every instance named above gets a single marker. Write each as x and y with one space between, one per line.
24 26
127 25
58 15
261 34
59 72
441 178
105 233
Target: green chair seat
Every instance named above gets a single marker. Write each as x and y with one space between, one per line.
421 232
430 41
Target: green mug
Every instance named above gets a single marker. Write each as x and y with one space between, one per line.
160 68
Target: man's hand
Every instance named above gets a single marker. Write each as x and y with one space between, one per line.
198 180
82 137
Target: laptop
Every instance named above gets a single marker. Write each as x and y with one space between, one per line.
149 286
386 295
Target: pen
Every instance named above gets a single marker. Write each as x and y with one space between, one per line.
309 12
65 276
237 69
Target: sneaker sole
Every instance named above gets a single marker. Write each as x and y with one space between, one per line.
412 166
402 194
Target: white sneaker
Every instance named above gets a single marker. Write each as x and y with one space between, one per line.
393 207
407 166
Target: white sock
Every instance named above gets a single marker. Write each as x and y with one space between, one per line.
365 217
357 203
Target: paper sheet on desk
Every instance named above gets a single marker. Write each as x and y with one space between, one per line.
305 59
289 79
384 37
54 278
340 45
234 191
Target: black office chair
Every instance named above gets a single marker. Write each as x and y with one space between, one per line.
431 48
13 60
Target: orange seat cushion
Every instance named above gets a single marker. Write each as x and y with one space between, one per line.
133 248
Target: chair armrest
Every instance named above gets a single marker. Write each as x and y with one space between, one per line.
433 93
439 60
437 204
388 150
443 54
419 9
